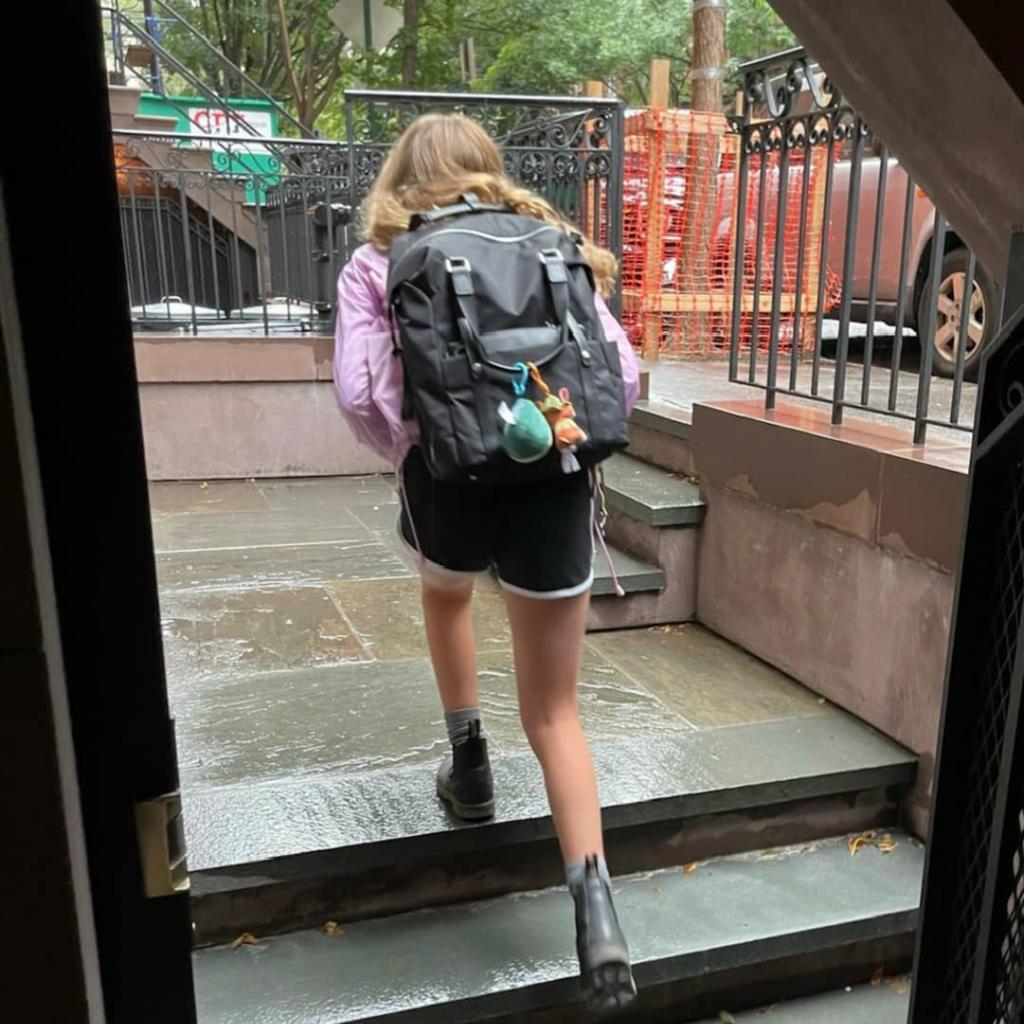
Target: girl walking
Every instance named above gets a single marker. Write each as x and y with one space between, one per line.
537 535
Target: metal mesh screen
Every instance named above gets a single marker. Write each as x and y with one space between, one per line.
1009 988
981 784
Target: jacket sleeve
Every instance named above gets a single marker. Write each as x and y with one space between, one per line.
367 377
630 369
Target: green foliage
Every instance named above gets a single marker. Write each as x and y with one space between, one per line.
754 30
522 46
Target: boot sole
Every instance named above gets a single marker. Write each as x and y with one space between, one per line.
467 812
608 988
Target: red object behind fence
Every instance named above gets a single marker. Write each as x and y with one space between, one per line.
679 231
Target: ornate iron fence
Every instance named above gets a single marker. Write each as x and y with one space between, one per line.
568 149
250 234
885 296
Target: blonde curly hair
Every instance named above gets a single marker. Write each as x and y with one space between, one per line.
437 159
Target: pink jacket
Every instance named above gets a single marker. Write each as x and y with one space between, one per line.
367 376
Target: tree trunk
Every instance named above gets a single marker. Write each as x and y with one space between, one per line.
695 272
411 17
708 54
310 57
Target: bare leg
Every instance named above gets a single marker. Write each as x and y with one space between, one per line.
547 638
447 614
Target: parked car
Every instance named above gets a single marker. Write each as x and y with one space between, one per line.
981 310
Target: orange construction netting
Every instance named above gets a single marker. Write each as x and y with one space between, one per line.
679 222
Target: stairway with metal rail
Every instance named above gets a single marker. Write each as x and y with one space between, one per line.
136 46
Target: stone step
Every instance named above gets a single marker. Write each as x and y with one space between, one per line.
666 419
661 434
155 123
781 913
885 1001
273 854
652 514
635 575
651 494
124 99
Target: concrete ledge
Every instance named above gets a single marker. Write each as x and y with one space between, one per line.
211 431
830 553
862 480
169 359
239 407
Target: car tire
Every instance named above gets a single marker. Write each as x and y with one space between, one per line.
983 312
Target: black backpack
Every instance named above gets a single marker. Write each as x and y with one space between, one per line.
474 290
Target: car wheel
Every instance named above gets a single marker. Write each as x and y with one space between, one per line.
953 306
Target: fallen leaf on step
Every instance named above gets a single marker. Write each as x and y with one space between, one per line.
689 869
864 839
898 985
333 928
767 1009
725 1017
878 977
204 486
886 844
245 939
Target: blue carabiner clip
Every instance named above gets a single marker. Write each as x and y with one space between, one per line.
519 384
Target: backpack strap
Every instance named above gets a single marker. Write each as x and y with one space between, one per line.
468 203
460 274
557 277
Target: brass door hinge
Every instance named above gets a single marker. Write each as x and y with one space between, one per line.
161 832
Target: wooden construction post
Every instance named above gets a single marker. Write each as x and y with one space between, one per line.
731 144
655 238
816 165
591 190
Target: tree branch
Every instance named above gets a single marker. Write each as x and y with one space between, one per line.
286 54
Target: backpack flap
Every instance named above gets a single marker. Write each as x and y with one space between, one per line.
505 349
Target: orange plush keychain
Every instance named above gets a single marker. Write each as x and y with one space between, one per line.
560 414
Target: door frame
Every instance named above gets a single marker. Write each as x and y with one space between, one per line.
80 393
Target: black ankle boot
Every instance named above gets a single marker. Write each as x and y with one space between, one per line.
464 780
605 973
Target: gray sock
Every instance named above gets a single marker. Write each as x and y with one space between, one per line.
576 873
458 723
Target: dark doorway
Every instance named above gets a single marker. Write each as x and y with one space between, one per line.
78 389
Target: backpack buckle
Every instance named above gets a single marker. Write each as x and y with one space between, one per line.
554 266
461 274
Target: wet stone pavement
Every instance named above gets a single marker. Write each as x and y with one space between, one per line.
304 701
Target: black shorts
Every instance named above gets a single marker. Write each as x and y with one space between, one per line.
538 536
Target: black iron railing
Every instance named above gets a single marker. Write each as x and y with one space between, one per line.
885 301
250 234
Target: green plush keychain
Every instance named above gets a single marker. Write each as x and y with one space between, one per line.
526 434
